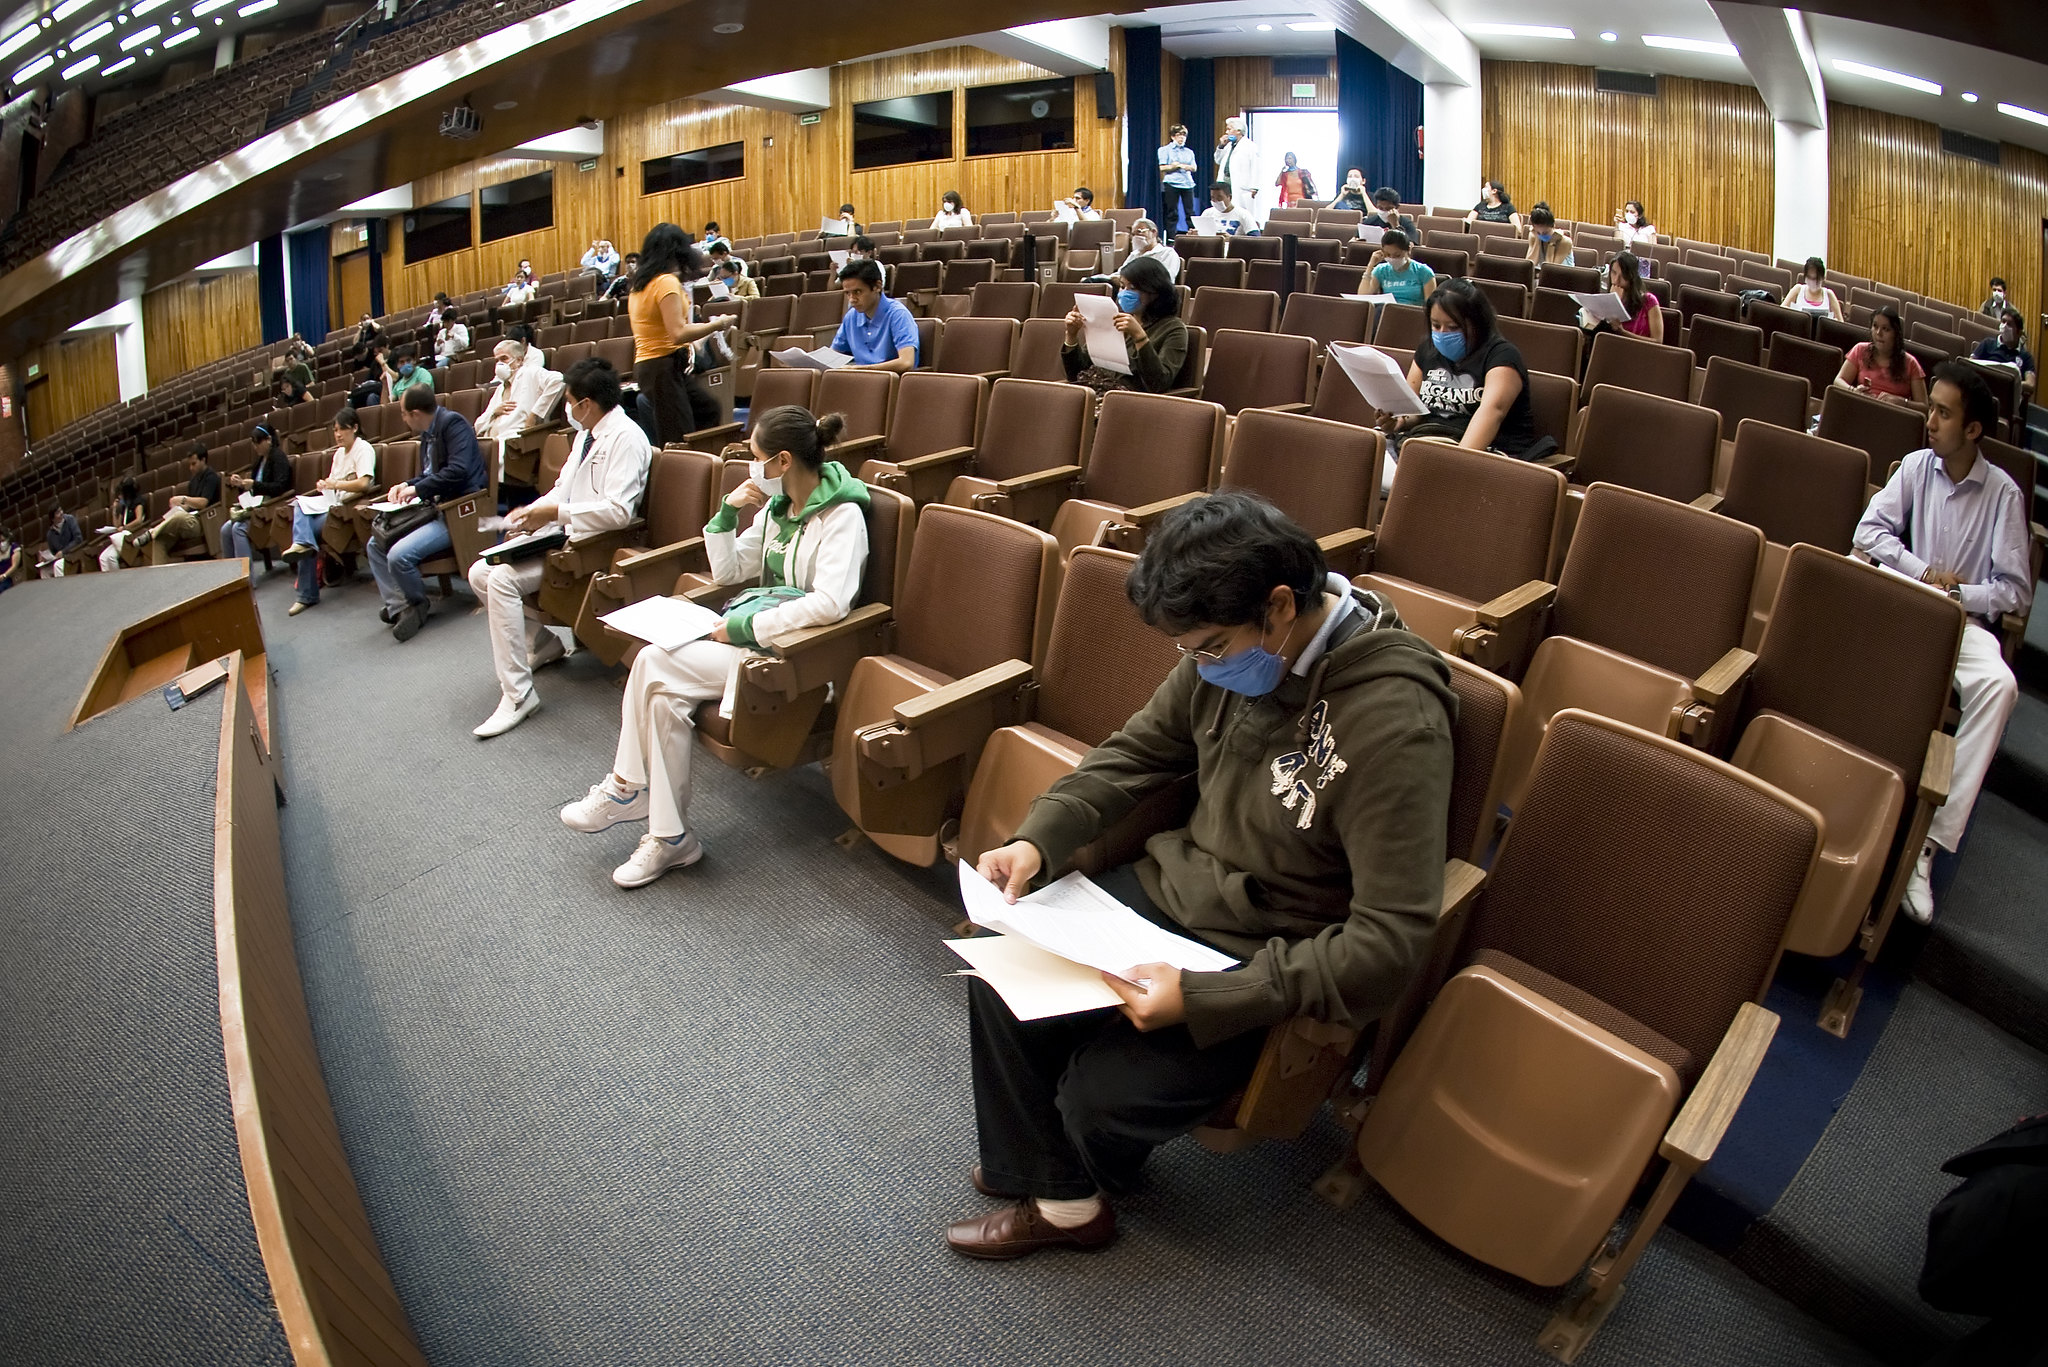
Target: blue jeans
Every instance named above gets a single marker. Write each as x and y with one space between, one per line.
306 532
397 568
234 541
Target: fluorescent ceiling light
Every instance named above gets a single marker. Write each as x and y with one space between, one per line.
177 38
92 35
2020 111
207 7
78 69
147 7
1690 45
18 40
257 8
67 9
1969 97
1609 37
1520 31
1878 73
1314 26
34 69
121 65
1265 28
139 37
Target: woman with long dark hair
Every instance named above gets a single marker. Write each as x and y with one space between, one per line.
664 338
1645 309
1882 368
1155 339
1472 380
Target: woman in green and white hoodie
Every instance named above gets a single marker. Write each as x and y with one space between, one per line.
804 555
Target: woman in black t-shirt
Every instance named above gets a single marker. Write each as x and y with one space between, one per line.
1471 379
1494 206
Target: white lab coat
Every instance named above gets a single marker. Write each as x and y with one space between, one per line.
534 390
1246 180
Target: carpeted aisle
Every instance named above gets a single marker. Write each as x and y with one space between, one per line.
724 1118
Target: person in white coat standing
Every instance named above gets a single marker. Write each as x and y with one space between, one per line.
1237 165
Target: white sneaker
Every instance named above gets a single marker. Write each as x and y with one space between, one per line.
551 651
654 856
1919 899
604 806
507 716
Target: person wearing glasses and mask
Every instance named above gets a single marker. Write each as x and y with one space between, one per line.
598 491
1146 241
1155 338
1319 731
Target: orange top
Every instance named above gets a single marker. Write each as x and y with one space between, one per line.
650 335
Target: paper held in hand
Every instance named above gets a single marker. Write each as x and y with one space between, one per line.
834 227
1603 307
1076 928
312 505
1378 379
824 358
664 623
1105 344
1371 233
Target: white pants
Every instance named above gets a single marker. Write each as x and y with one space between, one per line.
57 568
110 558
1988 691
655 730
516 628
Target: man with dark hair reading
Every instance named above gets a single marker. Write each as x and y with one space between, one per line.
1320 729
877 331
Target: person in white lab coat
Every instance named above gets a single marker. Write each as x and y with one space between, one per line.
522 396
1237 165
599 491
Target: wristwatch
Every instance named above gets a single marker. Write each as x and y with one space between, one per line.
1956 593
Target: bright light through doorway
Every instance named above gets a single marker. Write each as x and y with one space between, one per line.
1311 134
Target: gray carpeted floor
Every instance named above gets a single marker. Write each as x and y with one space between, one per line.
125 1234
1847 1238
1988 949
724 1118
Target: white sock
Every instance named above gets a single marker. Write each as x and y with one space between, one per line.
1069 1214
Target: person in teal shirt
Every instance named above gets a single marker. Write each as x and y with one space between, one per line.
1399 274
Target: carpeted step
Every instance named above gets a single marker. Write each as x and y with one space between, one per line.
1846 1241
1987 948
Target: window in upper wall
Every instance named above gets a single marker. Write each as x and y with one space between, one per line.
437 229
727 161
906 129
1022 116
525 205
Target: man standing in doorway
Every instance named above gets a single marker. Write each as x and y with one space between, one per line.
1237 165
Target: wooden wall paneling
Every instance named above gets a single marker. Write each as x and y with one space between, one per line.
1902 211
82 378
199 319
1249 83
1700 155
1170 73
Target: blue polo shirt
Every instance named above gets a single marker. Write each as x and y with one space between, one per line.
872 341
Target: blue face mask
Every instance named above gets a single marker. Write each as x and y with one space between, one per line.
1543 237
1449 345
405 368
1254 671
1127 300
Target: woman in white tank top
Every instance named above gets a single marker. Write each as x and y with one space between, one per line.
1811 294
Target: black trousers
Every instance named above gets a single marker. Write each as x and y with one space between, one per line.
681 403
1177 207
1072 1105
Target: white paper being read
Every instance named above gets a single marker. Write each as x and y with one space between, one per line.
1105 344
1378 378
1603 307
1077 920
663 623
823 358
1031 982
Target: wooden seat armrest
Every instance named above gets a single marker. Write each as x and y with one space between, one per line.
594 553
1531 597
1708 502
1462 885
711 438
1145 514
1937 771
993 375
937 460
817 656
1559 460
1284 408
2037 532
635 575
1724 676
1190 391
856 449
950 721
1039 479
1351 546
1707 1113
713 596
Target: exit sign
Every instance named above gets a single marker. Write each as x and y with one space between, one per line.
809 119
1304 90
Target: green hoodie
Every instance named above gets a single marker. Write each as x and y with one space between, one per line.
835 485
1316 849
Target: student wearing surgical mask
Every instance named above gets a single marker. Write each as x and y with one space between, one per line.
1547 245
802 555
523 396
1472 380
2009 347
1147 243
1995 302
598 491
1155 338
1632 225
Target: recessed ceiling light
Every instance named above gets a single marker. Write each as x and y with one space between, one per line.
121 65
727 28
1609 37
1314 26
1265 28
2020 111
331 176
18 40
1969 97
34 69
1521 31
503 105
185 37
148 7
139 37
257 8
77 69
1690 45
67 9
1878 73
91 35
207 7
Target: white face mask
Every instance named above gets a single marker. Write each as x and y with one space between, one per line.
1632 218
574 421
504 371
756 473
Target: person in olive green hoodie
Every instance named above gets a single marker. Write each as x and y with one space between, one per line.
1319 730
805 554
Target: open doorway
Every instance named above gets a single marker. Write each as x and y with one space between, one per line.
1311 134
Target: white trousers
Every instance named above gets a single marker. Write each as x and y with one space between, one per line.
516 628
655 730
1988 691
57 568
110 558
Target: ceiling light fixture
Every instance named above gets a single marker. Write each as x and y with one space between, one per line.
18 40
1878 73
34 69
1314 26
2020 111
207 7
176 38
727 28
1712 49
148 7
77 69
257 8
503 105
67 9
139 37
1265 28
1969 97
91 35
121 65
1521 31
1609 37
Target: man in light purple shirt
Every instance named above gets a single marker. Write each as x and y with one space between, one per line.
1954 521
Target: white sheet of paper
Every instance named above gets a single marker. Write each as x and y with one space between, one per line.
1371 233
1031 982
386 506
834 227
105 531
824 358
1206 224
664 623
839 259
1077 920
249 500
1603 307
1106 347
312 505
1373 298
1379 379
720 290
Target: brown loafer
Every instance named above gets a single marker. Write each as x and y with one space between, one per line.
1018 1230
982 1185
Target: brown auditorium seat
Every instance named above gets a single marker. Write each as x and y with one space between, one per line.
1244 310
1509 301
1696 302
677 484
1605 1014
1037 356
1553 403
977 346
1634 363
897 787
1791 487
1551 347
1776 320
1645 441
1722 266
916 278
1327 319
1034 431
1446 263
1941 340
681 498
1268 275
961 276
1342 222
1571 279
1259 370
1202 272
774 387
1400 325
1679 277
1816 362
934 415
867 399
1324 475
819 315
2020 465
1512 270
1253 248
1003 299
1336 279
1738 391
593 330
1318 251
1192 247
1887 432
1707 337
1555 307
1057 300
1467 243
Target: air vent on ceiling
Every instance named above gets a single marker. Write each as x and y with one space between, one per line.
1969 145
1625 82
1301 66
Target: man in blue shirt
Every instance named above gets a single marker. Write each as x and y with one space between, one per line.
1177 178
451 465
877 331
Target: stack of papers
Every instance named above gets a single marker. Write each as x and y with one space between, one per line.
1603 307
1105 344
823 358
314 504
664 623
834 227
1378 378
1053 946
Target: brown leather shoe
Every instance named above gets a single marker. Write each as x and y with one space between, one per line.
982 1185
1017 1230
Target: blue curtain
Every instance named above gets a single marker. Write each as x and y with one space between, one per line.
312 264
1379 107
270 287
1141 120
376 279
1198 112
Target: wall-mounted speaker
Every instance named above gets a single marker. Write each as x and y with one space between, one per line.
1105 95
1625 82
380 235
